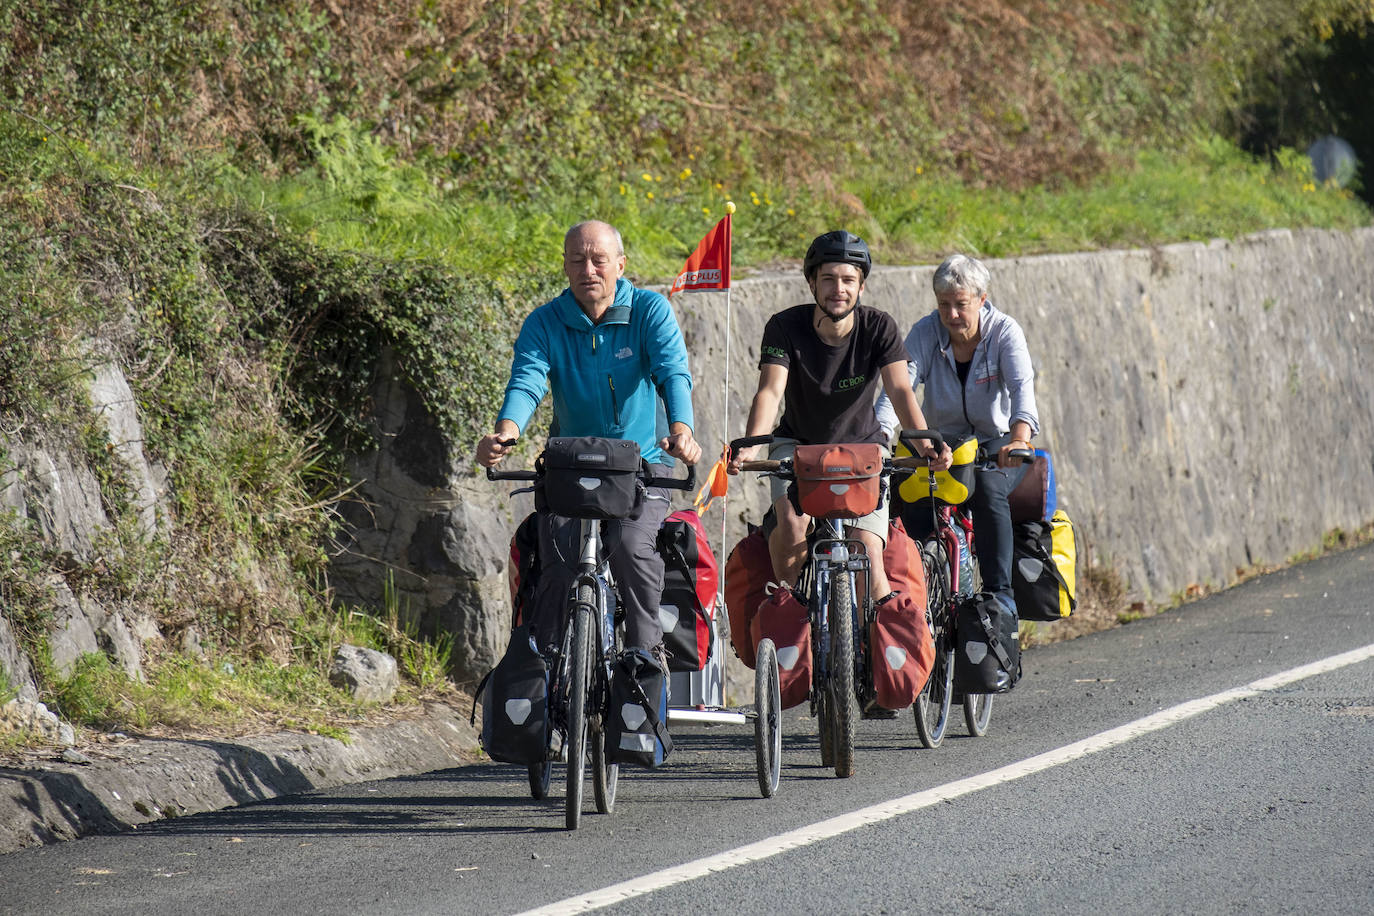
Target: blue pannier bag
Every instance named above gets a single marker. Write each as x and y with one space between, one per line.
1033 499
515 703
637 726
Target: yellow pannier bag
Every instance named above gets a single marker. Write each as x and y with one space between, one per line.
1042 568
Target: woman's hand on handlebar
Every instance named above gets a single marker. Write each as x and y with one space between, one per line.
940 461
1015 452
681 444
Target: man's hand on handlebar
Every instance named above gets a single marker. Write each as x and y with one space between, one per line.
492 447
739 456
681 444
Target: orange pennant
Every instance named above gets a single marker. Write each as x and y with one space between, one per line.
717 483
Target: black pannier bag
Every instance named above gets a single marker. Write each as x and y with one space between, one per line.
637 721
515 703
987 657
589 477
522 572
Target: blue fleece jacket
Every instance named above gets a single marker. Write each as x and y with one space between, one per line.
606 378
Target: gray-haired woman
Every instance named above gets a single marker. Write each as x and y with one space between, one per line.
972 359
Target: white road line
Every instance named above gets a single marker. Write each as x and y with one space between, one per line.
824 830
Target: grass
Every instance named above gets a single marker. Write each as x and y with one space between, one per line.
360 198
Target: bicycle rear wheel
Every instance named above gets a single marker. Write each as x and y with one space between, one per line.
605 774
977 706
844 702
977 713
541 774
932 705
767 718
580 671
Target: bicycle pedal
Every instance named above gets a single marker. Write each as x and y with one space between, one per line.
873 711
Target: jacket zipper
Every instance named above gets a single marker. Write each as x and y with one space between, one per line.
615 404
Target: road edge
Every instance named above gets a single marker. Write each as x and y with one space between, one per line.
155 779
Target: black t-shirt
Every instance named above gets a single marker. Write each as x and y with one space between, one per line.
830 390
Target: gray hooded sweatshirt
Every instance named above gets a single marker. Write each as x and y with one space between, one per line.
1001 383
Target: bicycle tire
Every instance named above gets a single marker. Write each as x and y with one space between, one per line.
977 706
541 774
977 713
844 700
580 676
605 774
931 709
767 718
825 726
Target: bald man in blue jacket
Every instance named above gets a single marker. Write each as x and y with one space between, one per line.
610 354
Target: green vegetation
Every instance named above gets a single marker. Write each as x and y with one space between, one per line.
252 207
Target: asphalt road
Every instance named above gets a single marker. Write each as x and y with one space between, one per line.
1094 792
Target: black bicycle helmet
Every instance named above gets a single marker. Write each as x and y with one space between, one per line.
837 247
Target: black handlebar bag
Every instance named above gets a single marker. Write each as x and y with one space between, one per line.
589 477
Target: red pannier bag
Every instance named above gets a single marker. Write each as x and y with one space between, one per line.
523 569
901 649
747 570
687 609
783 619
838 481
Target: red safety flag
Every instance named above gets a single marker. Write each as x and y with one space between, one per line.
709 265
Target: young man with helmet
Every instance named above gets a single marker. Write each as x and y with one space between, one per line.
823 362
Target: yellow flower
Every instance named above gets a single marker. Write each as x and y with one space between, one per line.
649 194
684 174
705 211
920 170
647 177
768 201
623 189
692 157
719 185
791 212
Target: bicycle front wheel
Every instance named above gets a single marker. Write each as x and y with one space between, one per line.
767 718
932 705
580 674
844 702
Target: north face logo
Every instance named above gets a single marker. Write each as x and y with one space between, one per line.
624 353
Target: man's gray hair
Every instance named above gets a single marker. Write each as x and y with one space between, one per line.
587 224
961 272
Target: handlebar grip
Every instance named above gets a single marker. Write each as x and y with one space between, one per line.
747 441
493 474
763 465
1026 455
675 483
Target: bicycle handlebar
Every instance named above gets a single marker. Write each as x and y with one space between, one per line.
749 441
667 483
